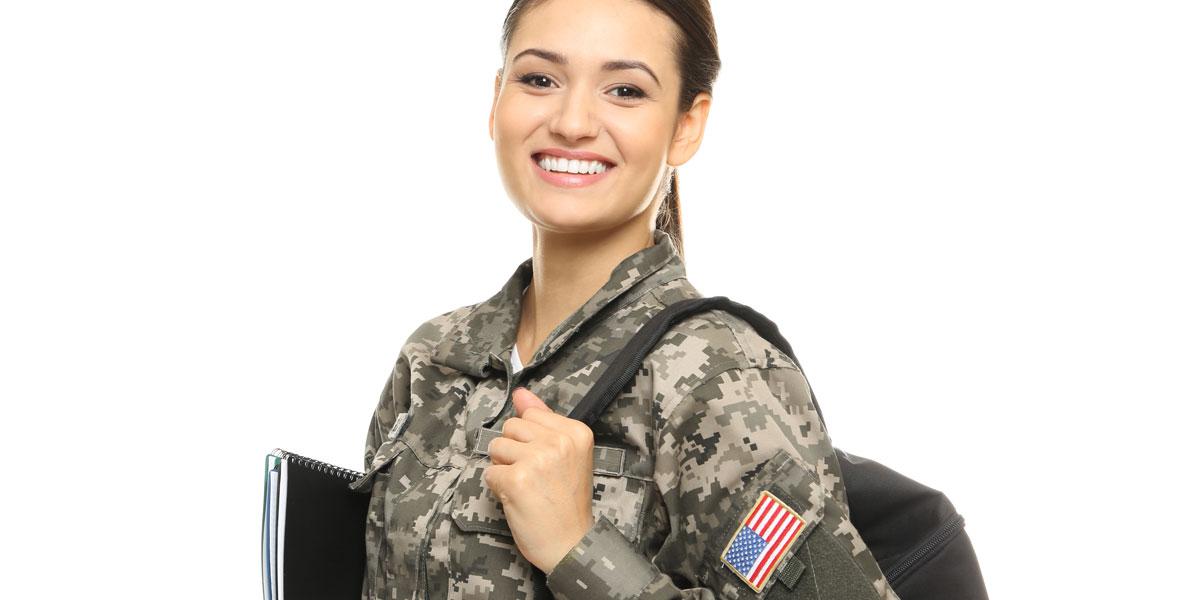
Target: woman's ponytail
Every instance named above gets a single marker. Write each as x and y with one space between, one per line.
668 214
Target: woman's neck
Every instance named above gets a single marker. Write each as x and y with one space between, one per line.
568 269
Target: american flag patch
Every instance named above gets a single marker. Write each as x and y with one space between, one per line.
763 537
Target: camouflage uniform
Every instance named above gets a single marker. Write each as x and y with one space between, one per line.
714 416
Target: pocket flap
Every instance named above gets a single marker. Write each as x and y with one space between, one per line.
475 507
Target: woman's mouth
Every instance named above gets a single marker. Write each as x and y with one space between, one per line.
570 173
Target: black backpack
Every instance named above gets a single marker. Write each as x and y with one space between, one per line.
913 531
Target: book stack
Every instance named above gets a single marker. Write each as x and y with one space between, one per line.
313 530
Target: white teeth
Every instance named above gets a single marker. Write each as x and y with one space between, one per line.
563 165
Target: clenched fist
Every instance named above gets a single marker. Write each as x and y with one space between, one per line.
541 472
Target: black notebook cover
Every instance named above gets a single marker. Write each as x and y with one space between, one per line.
320 531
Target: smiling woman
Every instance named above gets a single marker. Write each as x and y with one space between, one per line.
606 82
711 474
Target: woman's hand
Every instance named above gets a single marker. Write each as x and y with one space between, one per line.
542 474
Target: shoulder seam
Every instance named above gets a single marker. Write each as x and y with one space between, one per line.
713 376
723 316
687 395
684 397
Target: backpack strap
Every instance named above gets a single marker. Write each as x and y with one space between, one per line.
622 369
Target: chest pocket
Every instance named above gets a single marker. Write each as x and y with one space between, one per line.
615 495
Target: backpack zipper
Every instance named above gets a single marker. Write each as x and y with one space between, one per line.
926 550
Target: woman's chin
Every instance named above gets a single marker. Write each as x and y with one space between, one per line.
569 223
564 216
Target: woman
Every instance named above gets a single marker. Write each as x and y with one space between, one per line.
711 475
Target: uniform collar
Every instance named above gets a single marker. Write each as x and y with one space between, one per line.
479 339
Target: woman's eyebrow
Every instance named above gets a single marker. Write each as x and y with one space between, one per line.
612 65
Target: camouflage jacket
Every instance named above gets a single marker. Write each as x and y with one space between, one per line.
715 417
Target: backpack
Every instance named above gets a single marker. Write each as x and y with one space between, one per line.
913 531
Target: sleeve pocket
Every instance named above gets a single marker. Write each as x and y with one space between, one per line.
386 453
772 517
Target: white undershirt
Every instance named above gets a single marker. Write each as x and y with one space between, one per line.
516 360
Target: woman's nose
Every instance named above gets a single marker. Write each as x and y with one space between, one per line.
575 117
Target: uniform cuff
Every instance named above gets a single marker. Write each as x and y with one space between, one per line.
602 565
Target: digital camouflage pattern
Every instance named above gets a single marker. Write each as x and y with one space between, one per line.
715 415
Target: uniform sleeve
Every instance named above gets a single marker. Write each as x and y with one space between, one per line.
393 401
742 432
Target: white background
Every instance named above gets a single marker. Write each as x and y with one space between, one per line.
974 221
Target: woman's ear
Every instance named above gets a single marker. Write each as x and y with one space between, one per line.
689 131
495 99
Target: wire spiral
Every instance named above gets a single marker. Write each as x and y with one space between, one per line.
322 467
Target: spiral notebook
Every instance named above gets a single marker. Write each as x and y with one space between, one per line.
313 543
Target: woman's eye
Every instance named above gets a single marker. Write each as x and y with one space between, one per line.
529 79
537 80
634 92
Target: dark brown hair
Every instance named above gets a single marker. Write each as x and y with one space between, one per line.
698 62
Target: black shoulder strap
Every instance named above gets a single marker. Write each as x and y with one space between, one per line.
622 369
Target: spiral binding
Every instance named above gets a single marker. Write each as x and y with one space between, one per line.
321 467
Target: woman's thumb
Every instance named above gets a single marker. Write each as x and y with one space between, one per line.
523 400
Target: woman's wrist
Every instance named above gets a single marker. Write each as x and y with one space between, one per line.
552 557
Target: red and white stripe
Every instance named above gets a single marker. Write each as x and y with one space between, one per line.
779 526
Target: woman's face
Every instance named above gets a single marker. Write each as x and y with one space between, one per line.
556 96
